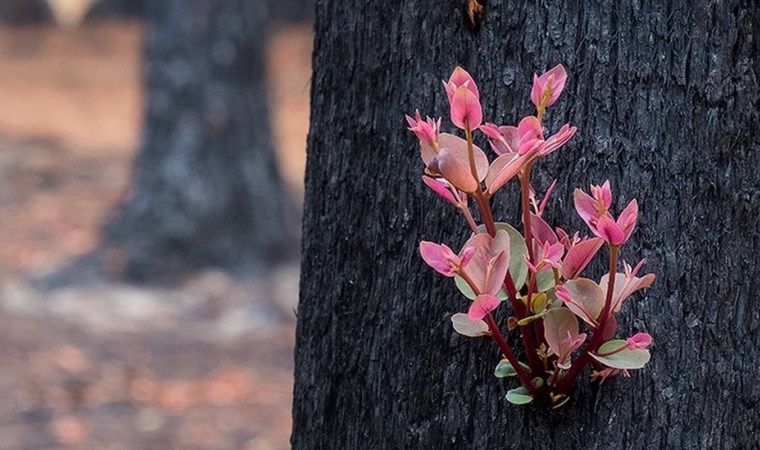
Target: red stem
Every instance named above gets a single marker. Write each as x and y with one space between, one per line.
500 341
525 197
596 340
507 351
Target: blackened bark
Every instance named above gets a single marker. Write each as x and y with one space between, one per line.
665 97
207 189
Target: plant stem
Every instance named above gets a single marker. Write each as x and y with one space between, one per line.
521 312
500 341
525 196
596 340
471 154
485 212
468 217
507 351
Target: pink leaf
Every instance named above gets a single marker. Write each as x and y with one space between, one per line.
485 268
625 286
440 188
503 140
638 341
458 78
466 111
439 257
455 172
583 297
426 131
558 140
560 331
542 232
585 205
503 169
607 229
579 256
496 273
458 148
548 87
482 306
627 219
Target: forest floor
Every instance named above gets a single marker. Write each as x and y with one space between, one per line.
205 363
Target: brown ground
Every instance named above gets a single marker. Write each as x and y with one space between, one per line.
205 365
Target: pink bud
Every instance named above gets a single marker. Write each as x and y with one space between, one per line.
441 187
482 306
426 131
466 111
460 78
638 341
548 87
558 140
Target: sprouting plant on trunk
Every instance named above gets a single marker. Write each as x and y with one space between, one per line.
566 322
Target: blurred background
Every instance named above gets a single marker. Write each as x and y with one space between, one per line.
148 235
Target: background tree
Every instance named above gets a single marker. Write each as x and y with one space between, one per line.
665 97
207 188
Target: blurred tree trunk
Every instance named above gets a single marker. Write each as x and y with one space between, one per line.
666 100
133 8
23 11
291 10
207 190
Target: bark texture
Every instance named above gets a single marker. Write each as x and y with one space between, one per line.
207 189
665 96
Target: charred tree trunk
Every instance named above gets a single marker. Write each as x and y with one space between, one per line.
289 11
207 189
665 97
23 11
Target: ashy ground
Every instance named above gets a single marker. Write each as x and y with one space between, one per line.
204 364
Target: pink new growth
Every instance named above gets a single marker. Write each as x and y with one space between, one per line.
548 87
446 190
464 98
537 273
443 259
594 210
426 131
482 306
638 340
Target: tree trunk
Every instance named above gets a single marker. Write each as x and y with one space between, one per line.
23 11
666 100
290 11
207 188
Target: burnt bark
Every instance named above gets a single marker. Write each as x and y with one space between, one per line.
665 96
207 189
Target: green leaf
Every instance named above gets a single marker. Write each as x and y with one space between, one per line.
624 359
519 396
517 251
505 369
558 400
545 280
466 327
538 302
527 320
464 288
